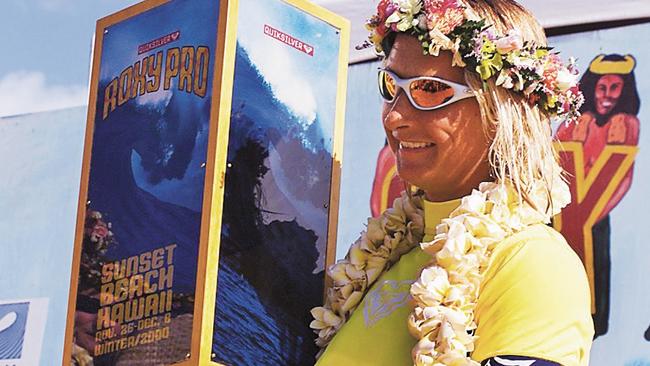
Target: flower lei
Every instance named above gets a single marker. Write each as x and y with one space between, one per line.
524 67
447 290
398 230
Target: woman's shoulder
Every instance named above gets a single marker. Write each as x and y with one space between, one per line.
535 287
536 269
537 251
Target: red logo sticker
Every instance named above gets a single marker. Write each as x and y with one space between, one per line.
159 42
288 40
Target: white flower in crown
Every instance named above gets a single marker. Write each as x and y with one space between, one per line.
404 19
439 41
566 79
505 80
509 43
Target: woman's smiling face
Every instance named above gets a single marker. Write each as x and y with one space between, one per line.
442 151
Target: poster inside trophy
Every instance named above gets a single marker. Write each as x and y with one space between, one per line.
143 213
279 185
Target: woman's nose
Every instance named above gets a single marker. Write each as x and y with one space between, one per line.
400 112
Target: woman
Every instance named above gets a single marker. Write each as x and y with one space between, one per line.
469 91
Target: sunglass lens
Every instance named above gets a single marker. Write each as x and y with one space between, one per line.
430 93
387 87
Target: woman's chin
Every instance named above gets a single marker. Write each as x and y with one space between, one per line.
416 163
414 177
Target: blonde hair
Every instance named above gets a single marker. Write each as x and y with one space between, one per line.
522 146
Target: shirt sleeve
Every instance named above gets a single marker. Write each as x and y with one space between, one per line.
535 302
517 361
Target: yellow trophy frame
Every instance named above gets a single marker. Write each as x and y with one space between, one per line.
208 260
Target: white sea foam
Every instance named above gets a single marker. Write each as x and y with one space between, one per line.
275 61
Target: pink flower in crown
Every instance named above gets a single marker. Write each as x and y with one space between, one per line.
384 9
378 21
551 70
444 15
441 6
566 107
575 95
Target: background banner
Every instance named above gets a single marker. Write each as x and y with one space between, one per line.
40 164
22 324
610 164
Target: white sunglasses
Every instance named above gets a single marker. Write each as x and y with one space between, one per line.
425 93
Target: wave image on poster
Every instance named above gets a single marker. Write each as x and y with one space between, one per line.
137 279
278 184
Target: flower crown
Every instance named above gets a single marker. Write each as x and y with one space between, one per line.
524 67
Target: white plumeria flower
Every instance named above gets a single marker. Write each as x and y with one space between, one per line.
566 80
431 287
504 80
324 318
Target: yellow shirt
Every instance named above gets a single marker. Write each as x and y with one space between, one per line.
534 301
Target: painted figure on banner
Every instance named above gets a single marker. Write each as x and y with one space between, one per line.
598 155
